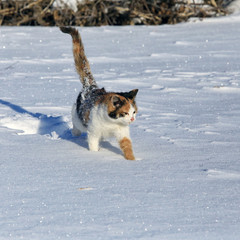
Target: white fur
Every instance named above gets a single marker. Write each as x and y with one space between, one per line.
102 126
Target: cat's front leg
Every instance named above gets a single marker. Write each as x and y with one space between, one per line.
126 146
93 142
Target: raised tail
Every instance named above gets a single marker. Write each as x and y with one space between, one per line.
80 59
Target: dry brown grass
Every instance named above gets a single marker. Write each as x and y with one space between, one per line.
106 12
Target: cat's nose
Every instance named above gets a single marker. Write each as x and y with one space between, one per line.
132 119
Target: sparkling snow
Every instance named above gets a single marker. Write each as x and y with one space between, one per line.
186 182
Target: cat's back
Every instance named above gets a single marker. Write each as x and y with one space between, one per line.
86 101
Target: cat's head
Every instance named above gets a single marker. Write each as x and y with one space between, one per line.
122 107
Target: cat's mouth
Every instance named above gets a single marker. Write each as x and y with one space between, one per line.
131 120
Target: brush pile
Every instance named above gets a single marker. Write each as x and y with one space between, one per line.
107 12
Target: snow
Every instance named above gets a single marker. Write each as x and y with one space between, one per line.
72 4
186 182
234 7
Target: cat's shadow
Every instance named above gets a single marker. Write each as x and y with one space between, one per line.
57 127
82 141
107 145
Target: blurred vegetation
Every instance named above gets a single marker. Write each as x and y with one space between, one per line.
107 12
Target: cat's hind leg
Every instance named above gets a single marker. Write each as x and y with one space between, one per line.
77 125
75 132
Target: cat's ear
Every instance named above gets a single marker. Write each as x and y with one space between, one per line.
132 94
116 101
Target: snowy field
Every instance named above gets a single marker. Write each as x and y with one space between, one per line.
186 182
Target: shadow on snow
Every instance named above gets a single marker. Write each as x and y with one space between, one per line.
50 124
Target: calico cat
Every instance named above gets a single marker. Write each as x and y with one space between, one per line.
100 113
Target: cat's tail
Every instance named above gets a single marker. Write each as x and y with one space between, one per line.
81 62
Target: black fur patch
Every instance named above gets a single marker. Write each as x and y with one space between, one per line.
129 95
113 115
86 100
118 103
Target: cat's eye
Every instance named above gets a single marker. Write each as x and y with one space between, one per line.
134 112
123 114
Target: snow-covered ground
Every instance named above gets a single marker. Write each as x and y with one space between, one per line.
234 6
70 3
186 183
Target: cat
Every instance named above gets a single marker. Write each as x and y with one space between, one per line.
100 113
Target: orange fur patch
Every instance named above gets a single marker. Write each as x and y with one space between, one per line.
126 146
81 62
108 101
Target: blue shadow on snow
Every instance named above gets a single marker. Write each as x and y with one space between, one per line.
49 124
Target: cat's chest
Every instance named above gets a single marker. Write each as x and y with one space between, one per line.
101 123
100 120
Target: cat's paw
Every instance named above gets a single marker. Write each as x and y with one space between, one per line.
93 147
129 157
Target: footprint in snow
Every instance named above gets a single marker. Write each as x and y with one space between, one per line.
220 174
